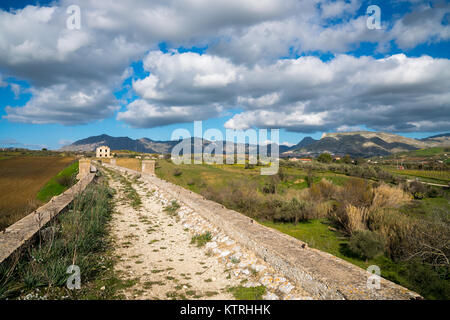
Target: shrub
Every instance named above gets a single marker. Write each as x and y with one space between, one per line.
367 244
356 192
309 179
66 180
347 159
296 210
271 186
324 189
386 196
325 158
433 193
417 189
322 209
249 166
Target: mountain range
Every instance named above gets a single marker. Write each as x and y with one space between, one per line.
356 144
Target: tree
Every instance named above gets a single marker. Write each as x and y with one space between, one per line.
325 158
347 159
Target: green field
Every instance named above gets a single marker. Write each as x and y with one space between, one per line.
22 178
425 152
60 183
435 176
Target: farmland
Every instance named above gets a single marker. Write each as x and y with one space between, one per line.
427 175
21 179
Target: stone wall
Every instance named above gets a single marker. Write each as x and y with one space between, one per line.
20 233
84 168
148 166
322 275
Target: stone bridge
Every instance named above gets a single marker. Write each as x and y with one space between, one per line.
321 275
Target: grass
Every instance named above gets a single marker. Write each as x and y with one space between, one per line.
431 175
60 183
252 293
130 194
79 236
21 178
424 152
172 208
201 239
319 235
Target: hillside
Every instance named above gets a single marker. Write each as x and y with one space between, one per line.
121 143
146 145
366 144
356 144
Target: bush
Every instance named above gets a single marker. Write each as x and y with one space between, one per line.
324 189
309 179
367 244
386 196
271 186
249 166
349 218
325 158
356 192
66 180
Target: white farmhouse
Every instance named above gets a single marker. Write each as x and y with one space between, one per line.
103 152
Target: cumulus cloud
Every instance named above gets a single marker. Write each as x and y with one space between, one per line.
305 94
74 73
142 114
66 105
426 24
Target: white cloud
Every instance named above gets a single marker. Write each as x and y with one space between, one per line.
304 94
74 73
142 114
68 105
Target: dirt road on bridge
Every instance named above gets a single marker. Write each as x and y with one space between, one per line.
153 236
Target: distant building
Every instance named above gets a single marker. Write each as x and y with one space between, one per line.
103 152
300 159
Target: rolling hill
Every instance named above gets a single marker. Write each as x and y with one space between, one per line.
356 144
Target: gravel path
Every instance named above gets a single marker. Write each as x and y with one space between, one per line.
155 249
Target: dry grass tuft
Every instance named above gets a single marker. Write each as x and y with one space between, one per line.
386 196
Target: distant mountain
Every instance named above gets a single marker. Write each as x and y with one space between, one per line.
356 144
146 145
364 144
304 143
120 143
440 139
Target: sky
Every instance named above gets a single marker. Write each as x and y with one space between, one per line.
145 68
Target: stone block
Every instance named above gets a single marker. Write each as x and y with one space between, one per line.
148 166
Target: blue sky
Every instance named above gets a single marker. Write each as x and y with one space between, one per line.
305 67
